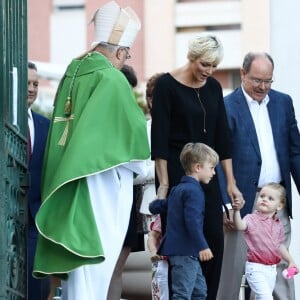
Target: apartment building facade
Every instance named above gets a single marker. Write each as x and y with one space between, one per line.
59 30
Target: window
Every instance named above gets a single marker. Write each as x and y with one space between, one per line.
68 4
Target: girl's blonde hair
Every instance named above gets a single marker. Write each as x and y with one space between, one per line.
278 187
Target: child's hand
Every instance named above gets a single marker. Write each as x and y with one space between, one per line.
205 255
293 265
238 203
290 272
155 257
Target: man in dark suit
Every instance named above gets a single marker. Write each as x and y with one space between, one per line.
37 135
266 148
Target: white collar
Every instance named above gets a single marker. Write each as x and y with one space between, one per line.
250 101
29 114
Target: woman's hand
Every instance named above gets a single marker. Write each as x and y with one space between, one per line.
162 191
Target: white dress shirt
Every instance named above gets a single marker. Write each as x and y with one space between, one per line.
31 128
270 170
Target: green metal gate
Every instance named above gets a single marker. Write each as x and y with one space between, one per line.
13 161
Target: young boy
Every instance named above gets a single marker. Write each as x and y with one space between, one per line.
264 237
184 242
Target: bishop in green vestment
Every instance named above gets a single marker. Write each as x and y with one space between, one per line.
97 142
96 127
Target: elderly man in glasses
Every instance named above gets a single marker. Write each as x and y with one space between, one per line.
97 143
266 148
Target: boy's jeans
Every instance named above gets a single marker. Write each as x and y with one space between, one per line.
188 282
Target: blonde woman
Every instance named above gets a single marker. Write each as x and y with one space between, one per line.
188 107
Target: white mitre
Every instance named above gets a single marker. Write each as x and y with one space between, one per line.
115 25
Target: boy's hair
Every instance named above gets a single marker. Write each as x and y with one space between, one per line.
193 153
278 187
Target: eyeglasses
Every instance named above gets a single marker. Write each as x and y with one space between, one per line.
258 82
126 49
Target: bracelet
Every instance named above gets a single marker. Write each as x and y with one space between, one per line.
164 186
150 181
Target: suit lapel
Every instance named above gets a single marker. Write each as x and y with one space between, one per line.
245 115
37 133
274 115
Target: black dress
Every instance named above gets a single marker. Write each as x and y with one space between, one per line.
178 117
135 235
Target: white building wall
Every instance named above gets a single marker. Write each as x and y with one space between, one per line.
208 13
159 36
285 49
67 34
255 25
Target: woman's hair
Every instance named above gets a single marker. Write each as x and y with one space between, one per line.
278 187
151 83
130 75
150 88
206 47
193 153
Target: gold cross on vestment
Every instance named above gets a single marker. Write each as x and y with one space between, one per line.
63 138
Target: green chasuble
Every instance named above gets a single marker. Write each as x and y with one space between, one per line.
96 125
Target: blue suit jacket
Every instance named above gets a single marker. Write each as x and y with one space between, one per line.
246 153
41 127
37 289
184 230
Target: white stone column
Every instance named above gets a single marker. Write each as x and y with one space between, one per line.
285 49
159 36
